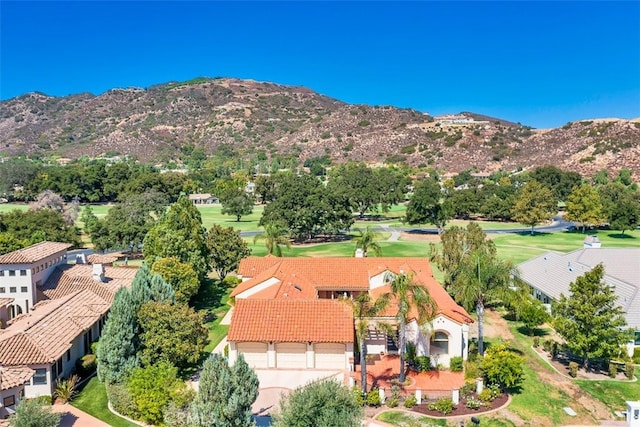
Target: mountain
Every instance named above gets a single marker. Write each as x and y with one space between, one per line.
163 122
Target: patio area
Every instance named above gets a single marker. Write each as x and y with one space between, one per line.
385 368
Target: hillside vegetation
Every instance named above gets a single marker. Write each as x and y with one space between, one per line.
169 122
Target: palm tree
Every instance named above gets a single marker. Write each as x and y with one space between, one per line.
480 277
363 310
366 240
275 235
409 295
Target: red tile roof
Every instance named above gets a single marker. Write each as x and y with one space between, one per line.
13 376
283 320
67 279
302 277
47 332
34 253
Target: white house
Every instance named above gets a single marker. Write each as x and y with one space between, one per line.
288 312
549 276
63 311
12 381
22 271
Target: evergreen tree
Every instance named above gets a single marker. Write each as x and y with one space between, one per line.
117 352
590 320
225 394
181 276
161 291
179 234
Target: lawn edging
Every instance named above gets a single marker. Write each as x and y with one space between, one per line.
118 414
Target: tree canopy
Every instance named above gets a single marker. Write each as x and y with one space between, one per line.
428 205
321 403
179 234
181 276
589 319
584 206
534 204
226 249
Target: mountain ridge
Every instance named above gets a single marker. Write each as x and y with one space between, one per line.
157 123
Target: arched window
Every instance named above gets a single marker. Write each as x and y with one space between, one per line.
440 343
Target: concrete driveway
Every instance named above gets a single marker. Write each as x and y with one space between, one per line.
275 382
74 417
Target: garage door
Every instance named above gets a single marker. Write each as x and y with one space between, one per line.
330 356
291 355
255 353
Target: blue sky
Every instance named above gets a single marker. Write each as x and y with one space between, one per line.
538 63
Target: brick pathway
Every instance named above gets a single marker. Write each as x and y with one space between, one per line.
74 417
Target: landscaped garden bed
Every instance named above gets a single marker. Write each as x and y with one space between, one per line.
462 408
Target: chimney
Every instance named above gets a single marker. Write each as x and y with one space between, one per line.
98 272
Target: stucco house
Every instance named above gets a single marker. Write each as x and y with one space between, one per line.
289 312
12 381
53 323
549 276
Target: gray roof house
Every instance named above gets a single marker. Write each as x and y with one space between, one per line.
550 275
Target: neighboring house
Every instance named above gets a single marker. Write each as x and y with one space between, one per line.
12 381
203 199
22 271
549 276
64 312
288 312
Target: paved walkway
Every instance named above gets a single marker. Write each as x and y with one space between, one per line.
395 234
74 417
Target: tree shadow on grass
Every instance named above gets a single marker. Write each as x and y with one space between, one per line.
537 332
209 296
535 233
621 236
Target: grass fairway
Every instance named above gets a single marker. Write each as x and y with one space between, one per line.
523 246
8 207
92 399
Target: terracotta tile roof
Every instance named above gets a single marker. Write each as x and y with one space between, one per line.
33 253
13 376
302 277
326 273
103 258
6 301
47 332
67 279
291 321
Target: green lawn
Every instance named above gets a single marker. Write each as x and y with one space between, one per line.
612 393
8 207
213 300
92 399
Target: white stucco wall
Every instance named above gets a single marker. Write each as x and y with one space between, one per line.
377 280
260 287
32 390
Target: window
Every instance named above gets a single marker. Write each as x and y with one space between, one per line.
12 289
23 272
24 289
68 355
12 272
60 366
637 340
9 401
40 377
1 272
440 343
3 290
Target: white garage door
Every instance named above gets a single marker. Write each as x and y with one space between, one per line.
255 353
330 356
291 355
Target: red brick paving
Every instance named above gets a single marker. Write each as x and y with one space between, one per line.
387 368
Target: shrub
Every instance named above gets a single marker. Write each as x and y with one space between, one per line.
555 348
486 395
456 364
231 281
613 370
536 342
364 123
573 369
66 389
502 367
546 345
373 397
121 400
636 355
359 396
468 388
473 403
629 370
392 402
86 365
43 400
423 363
410 401
444 405
471 370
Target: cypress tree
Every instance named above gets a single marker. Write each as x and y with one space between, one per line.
225 394
161 291
117 352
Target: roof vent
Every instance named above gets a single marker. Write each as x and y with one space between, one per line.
298 288
98 272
